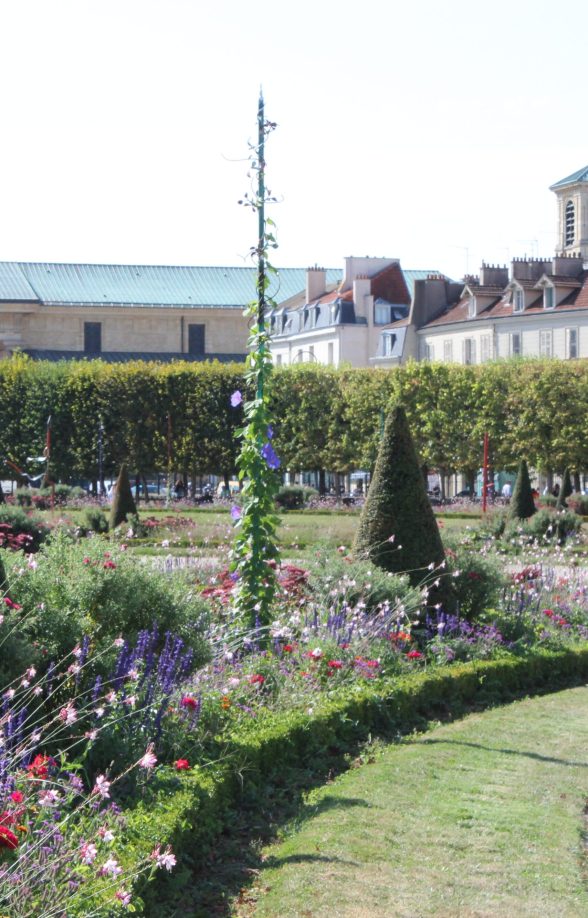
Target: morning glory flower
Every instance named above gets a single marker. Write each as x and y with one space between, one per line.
236 398
270 457
235 513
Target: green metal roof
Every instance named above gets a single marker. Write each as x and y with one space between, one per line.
142 285
411 276
580 176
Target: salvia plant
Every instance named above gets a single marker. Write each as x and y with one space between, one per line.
255 550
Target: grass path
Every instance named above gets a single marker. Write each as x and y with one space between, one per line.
483 817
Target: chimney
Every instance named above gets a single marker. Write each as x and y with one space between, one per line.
362 287
493 276
316 281
431 298
567 265
530 269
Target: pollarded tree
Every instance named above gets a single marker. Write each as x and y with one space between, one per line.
397 529
123 504
522 505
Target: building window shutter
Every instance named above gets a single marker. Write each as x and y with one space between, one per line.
92 337
196 340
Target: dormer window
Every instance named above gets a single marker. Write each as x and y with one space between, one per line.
548 297
570 223
518 300
472 307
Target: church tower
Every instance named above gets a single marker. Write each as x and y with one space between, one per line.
572 210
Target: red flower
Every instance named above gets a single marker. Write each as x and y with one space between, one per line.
182 765
548 613
86 561
188 701
7 838
17 796
335 664
288 648
109 565
38 767
414 655
257 678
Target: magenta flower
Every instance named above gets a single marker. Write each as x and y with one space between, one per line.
236 399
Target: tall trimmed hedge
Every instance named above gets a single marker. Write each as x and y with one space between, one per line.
326 418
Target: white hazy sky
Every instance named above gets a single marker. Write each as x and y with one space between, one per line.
421 130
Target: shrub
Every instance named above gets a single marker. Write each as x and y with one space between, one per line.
578 503
71 589
92 519
123 502
397 528
478 580
19 530
24 497
293 497
522 505
338 579
544 526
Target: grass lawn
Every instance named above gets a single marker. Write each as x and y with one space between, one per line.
482 817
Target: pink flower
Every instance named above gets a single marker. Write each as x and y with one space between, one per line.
88 852
110 868
68 715
166 858
123 897
149 760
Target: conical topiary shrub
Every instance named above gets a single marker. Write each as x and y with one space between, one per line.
397 529
122 500
522 505
565 490
3 583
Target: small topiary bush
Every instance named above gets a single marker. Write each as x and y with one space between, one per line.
123 503
294 497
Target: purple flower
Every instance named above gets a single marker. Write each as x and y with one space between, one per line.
235 513
236 398
270 457
270 432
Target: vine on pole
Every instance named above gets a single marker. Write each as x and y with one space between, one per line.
255 554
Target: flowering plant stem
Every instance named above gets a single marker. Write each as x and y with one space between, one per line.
255 551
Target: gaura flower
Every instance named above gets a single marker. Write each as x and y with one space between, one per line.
149 760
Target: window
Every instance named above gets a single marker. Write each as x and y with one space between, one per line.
388 342
572 343
548 297
92 337
426 351
334 313
382 313
570 223
472 307
448 351
545 343
469 350
196 340
518 300
278 360
485 348
311 352
516 344
330 353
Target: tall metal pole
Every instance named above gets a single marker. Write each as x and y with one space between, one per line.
101 488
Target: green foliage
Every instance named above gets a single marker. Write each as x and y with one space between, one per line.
294 497
123 503
544 526
565 490
92 519
478 580
397 528
76 588
31 528
578 503
522 505
339 579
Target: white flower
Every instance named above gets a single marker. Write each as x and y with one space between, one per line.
110 868
118 642
49 798
165 543
166 858
149 760
106 834
102 787
68 715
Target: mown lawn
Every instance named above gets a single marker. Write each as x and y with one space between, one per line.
482 817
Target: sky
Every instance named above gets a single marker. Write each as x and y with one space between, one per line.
424 131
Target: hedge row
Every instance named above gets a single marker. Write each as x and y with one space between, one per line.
190 811
326 418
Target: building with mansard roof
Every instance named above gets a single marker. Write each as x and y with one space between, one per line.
538 308
121 312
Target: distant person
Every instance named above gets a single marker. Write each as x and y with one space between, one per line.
179 489
507 490
555 490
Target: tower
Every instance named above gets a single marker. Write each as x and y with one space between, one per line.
572 209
